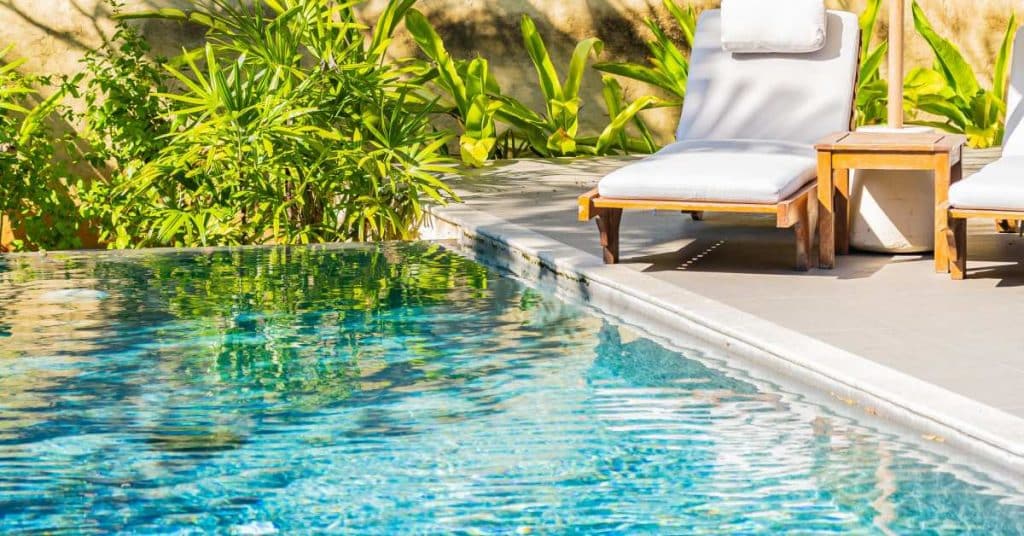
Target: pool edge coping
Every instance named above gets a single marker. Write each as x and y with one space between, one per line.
987 433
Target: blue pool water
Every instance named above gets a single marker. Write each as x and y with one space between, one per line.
400 389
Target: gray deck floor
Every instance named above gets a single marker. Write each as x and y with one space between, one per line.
966 336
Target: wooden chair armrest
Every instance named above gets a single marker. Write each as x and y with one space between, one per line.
587 211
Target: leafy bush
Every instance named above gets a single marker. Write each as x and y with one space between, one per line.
470 86
669 67
124 123
479 104
950 89
948 92
872 89
287 127
35 192
556 131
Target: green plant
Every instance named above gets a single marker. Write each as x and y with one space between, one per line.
668 67
470 86
556 132
872 89
35 192
950 90
288 126
124 121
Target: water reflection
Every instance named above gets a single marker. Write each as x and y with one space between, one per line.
402 389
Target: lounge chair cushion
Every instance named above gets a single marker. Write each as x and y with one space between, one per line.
999 186
724 171
793 97
758 27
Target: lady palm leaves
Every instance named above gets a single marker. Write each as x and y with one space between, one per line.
269 146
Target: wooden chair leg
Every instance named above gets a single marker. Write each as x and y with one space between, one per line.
697 216
802 229
842 211
956 239
1007 226
608 221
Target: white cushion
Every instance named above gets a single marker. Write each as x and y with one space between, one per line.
998 186
726 171
793 97
760 26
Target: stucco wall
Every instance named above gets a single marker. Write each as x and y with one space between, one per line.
53 34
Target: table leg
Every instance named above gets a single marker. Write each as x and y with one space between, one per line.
841 182
826 214
945 175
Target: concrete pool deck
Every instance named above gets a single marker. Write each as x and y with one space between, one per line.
883 331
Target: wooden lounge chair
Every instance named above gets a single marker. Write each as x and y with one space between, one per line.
997 191
746 136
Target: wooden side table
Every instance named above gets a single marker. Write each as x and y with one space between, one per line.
839 153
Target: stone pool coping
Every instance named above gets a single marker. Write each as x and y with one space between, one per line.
952 422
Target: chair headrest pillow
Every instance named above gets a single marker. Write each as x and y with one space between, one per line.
779 26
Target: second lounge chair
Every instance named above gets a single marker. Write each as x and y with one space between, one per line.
746 136
997 191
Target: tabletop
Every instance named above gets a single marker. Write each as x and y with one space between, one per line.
890 142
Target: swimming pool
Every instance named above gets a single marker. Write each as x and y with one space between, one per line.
402 389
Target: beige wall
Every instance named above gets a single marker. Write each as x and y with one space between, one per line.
53 34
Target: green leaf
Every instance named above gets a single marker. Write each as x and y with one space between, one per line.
388 22
618 124
867 21
476 151
641 73
937 105
871 64
686 19
561 143
578 65
1000 79
950 61
538 52
432 45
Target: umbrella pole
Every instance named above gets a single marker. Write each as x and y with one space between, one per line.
896 22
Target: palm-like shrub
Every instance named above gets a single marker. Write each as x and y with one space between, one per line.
34 185
287 127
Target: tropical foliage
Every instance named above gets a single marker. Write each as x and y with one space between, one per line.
470 86
950 89
481 108
292 123
872 89
556 131
35 190
668 65
286 127
125 121
946 96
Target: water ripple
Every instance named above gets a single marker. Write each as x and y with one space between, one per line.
401 389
